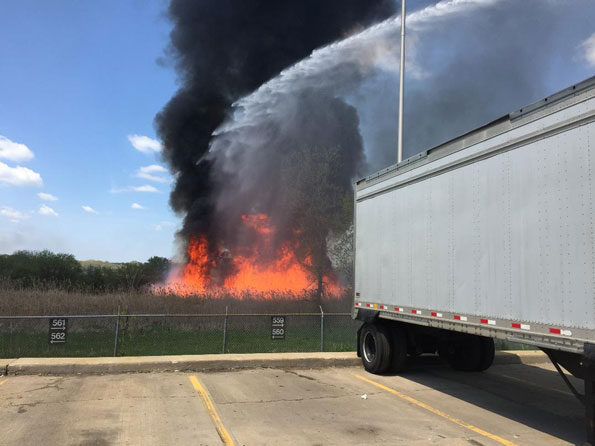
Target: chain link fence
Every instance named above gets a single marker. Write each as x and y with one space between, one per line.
174 334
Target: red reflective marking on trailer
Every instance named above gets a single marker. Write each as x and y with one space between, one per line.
383 307
520 326
559 331
483 321
398 309
369 305
434 314
357 304
457 317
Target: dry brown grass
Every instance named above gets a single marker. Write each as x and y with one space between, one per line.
52 301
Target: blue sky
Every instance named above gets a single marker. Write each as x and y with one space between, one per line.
76 79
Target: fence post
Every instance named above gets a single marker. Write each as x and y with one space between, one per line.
224 331
321 328
117 333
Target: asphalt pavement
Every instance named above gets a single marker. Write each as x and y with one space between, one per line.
510 404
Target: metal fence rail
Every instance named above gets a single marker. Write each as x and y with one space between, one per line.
159 334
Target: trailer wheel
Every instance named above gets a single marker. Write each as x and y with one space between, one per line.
375 348
463 352
487 353
398 349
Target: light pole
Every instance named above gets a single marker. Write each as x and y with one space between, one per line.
401 84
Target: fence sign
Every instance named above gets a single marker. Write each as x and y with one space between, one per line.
277 327
58 330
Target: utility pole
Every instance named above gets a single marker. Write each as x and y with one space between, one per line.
401 84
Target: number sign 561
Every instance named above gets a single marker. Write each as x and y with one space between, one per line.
58 330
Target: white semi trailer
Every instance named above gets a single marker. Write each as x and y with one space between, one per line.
488 236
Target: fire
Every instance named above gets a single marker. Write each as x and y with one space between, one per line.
248 271
283 274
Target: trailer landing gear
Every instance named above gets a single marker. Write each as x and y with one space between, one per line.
582 367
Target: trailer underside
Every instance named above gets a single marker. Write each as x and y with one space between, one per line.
385 340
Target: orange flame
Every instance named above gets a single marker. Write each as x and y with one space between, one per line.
248 272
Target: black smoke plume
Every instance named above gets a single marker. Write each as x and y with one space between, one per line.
223 50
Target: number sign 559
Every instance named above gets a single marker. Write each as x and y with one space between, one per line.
277 327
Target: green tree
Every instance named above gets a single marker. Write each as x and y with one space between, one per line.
156 269
133 275
29 268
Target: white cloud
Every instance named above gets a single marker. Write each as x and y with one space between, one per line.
44 209
19 176
89 209
148 173
12 214
136 206
145 188
14 151
47 197
588 50
163 224
144 144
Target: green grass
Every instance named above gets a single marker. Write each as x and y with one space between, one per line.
165 340
162 339
23 344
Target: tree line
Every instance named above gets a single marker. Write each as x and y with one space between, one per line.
27 269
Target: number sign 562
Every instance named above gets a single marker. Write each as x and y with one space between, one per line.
58 330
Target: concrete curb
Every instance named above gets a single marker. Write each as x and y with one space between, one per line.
4 366
212 363
195 363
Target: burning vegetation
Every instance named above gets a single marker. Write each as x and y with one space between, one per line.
281 252
259 268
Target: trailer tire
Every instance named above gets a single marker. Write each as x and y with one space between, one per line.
375 348
463 352
487 353
398 349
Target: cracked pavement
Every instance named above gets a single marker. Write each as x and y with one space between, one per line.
522 404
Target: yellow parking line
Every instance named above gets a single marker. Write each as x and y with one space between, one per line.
208 403
2 382
436 411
